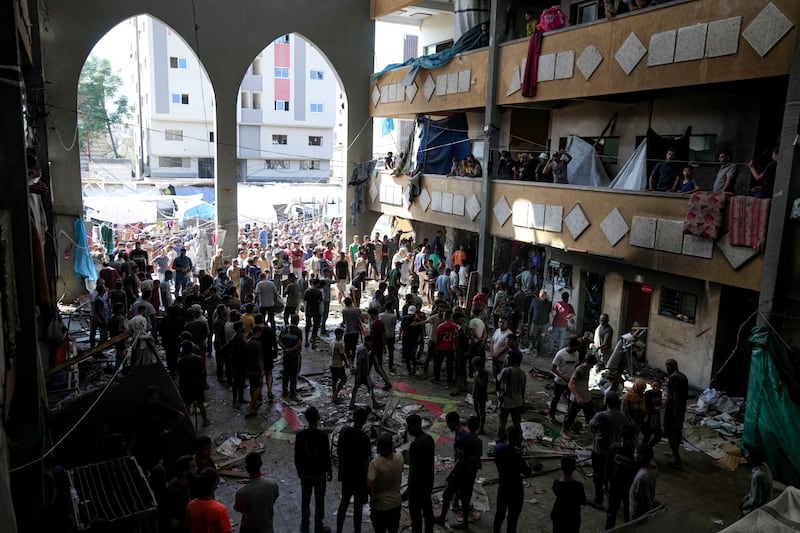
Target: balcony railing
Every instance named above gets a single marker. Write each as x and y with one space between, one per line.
640 229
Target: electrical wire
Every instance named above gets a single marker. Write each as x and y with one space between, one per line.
81 419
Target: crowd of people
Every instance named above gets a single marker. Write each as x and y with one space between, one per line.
245 311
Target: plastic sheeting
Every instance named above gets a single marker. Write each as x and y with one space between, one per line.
468 14
781 514
633 174
440 142
469 41
84 267
585 168
772 413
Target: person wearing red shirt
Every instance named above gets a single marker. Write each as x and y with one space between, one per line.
297 260
204 514
445 347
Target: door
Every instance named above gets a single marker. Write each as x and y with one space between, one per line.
637 307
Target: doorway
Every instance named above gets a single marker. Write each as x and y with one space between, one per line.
637 306
593 300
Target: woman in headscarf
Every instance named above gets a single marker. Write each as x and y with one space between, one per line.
634 407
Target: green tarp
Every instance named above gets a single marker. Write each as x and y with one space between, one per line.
772 415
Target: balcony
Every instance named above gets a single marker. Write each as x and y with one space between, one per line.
680 44
447 201
639 229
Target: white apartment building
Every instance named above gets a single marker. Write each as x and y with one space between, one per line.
287 110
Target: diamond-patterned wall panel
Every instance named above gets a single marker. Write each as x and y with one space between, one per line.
424 199
436 200
516 82
662 48
411 92
458 205
553 216
441 85
630 53
669 236
643 232
447 202
691 43
736 255
722 38
376 96
519 213
589 60
547 67
373 191
473 206
464 81
502 210
428 87
767 29
537 220
565 65
698 246
614 227
576 221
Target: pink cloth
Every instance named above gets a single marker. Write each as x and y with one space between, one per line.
748 219
704 214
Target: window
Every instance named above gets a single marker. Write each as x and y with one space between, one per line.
702 148
173 135
279 139
283 39
211 136
178 98
317 75
174 162
276 164
309 164
585 12
257 66
177 62
256 100
314 141
281 105
560 274
439 47
245 100
316 108
677 304
281 72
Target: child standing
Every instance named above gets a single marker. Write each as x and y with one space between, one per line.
480 392
566 513
338 376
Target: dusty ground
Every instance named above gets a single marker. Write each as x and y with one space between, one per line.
700 497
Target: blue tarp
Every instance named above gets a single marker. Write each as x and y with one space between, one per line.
186 190
84 267
440 142
469 41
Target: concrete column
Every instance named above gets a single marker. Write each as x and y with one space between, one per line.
492 123
780 267
226 182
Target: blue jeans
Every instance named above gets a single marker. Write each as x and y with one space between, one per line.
557 339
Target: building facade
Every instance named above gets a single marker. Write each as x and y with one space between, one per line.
711 80
286 110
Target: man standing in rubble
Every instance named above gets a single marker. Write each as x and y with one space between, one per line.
675 411
420 475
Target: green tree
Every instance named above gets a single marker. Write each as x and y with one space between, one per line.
99 108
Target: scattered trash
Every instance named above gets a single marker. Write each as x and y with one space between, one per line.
532 431
532 500
228 448
718 521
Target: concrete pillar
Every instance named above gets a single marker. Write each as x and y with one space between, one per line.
226 178
614 301
450 240
492 123
780 267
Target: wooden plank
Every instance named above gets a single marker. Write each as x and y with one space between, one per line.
82 356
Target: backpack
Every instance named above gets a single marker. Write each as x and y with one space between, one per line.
553 18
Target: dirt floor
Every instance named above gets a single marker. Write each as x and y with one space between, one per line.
701 497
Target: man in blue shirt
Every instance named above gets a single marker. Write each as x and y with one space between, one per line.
183 267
